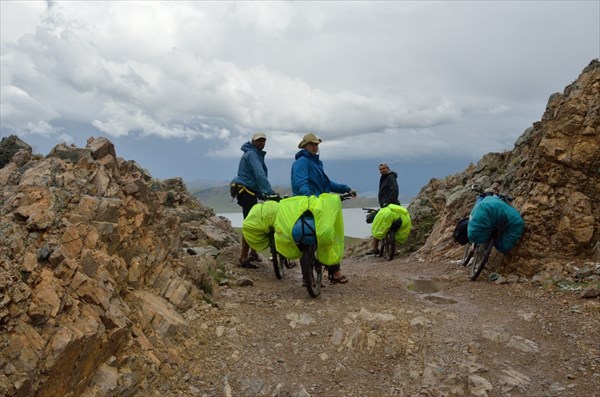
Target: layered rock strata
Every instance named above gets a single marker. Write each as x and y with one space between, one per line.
97 262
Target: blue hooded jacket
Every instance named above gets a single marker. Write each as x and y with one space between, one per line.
252 171
308 177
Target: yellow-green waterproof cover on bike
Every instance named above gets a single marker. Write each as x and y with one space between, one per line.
257 225
329 224
384 219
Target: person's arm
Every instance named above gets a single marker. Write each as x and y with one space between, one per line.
260 177
338 187
394 191
300 177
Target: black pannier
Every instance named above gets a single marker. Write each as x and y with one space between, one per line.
460 231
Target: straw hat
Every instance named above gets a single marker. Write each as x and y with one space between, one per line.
309 138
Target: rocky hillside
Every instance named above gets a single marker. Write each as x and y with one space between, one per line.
97 261
553 173
101 264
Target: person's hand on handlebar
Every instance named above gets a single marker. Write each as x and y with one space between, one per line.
352 193
273 196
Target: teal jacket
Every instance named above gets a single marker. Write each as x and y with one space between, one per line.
252 171
309 178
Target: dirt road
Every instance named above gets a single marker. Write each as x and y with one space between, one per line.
399 328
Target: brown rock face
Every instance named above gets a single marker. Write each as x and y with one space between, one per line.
95 270
553 173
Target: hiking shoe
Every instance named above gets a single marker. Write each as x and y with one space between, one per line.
247 264
291 264
253 256
372 251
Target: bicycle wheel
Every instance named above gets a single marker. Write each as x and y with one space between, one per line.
312 271
467 254
480 258
283 261
276 257
388 246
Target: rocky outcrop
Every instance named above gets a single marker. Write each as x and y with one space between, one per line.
98 261
553 172
10 146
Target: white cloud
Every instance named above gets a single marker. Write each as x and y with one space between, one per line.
407 78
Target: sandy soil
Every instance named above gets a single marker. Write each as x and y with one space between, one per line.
398 328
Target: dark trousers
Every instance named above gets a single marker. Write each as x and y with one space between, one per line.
246 201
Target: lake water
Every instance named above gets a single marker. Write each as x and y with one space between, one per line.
354 222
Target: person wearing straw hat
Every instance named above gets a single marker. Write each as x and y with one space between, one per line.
250 184
309 178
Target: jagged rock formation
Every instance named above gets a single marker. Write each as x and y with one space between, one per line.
97 261
553 173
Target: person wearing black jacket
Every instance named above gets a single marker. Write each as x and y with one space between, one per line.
388 186
388 194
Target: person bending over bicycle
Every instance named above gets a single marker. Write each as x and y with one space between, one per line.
309 178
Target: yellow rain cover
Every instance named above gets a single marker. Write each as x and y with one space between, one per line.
258 223
329 224
288 213
384 219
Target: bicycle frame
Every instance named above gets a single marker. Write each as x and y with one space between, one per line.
312 269
478 255
481 255
280 262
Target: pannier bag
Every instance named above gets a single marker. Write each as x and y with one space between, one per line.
460 234
493 212
328 225
259 223
390 217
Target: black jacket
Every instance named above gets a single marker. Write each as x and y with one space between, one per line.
388 189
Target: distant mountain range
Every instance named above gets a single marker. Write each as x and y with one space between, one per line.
216 196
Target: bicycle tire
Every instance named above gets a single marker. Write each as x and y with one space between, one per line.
276 258
312 271
388 247
467 254
284 262
480 258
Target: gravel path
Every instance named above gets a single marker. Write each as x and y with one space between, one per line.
399 328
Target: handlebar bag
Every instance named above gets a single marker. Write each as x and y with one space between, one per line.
258 224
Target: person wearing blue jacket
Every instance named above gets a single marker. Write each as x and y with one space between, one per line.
309 178
250 184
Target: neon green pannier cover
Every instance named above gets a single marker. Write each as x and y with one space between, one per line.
329 225
257 225
384 219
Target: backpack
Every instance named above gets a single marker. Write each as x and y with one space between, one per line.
460 231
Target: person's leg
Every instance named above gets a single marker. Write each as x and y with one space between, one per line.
374 247
335 275
246 201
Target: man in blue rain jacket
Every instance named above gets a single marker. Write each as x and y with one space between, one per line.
309 178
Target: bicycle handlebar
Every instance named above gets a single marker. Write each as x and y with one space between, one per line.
346 196
273 197
476 188
278 197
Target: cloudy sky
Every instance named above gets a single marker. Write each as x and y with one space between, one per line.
179 86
